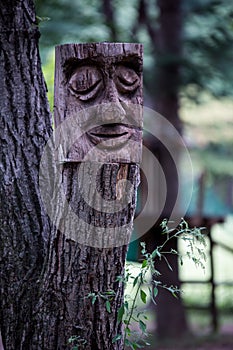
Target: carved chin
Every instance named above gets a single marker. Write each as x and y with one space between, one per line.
110 136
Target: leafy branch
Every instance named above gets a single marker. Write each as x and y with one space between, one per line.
144 288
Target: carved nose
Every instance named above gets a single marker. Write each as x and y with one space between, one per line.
112 112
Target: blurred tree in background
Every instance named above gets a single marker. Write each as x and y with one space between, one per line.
188 56
206 38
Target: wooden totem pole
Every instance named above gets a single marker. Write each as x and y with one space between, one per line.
98 134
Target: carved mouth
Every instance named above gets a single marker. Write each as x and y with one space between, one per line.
111 135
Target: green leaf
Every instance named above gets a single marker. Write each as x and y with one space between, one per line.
119 278
127 342
143 244
89 295
116 338
93 300
128 331
155 292
143 296
155 253
120 313
110 292
144 264
135 281
142 326
108 306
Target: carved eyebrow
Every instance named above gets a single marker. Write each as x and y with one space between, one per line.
133 62
73 63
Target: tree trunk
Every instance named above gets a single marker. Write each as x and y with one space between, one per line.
80 278
25 124
94 204
60 281
171 321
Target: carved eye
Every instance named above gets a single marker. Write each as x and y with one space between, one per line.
85 82
127 79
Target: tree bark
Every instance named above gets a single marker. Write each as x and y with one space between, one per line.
24 129
88 250
76 271
47 272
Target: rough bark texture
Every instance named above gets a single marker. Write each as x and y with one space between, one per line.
88 251
46 273
24 127
75 270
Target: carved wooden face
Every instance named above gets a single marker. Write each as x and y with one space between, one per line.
104 94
